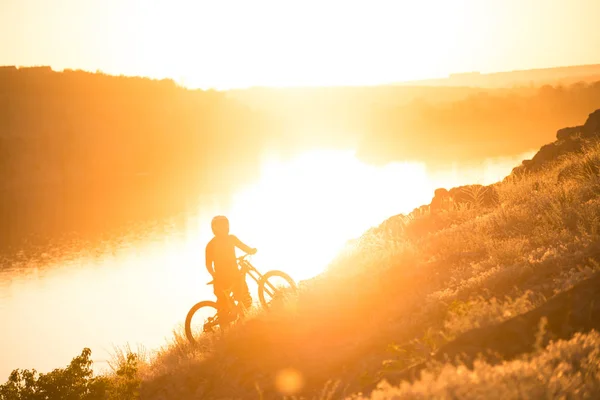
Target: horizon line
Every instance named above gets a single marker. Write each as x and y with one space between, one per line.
178 82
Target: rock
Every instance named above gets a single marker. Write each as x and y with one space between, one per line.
590 128
592 125
440 201
568 133
440 192
569 140
553 151
549 153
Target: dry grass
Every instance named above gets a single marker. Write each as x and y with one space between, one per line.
565 369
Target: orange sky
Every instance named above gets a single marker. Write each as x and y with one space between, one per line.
227 43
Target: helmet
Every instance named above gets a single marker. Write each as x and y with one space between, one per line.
220 225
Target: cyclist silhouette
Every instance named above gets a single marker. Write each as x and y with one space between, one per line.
222 265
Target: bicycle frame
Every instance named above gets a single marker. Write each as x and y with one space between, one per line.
250 270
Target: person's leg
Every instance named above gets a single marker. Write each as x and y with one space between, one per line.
222 291
241 292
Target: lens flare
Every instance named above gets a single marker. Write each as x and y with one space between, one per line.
289 381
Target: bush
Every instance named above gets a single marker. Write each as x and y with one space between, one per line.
75 382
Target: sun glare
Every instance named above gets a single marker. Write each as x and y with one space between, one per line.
301 213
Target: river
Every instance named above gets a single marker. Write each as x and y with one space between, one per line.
136 288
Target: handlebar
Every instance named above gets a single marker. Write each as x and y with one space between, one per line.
243 258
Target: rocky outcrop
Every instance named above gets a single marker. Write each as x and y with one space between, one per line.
590 128
441 200
551 152
592 125
569 133
569 140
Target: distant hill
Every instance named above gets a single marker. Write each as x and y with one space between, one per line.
531 77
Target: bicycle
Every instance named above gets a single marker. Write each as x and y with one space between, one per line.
203 316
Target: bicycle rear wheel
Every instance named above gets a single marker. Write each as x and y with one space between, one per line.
275 285
202 318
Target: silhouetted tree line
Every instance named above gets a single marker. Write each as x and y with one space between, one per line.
83 149
482 125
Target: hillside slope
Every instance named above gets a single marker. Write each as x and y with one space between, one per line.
410 286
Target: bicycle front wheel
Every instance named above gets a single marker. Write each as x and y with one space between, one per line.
275 285
202 318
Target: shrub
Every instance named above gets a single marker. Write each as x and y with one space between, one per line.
75 382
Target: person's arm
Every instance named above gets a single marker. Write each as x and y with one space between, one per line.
209 260
238 243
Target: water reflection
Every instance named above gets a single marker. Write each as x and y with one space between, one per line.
136 293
